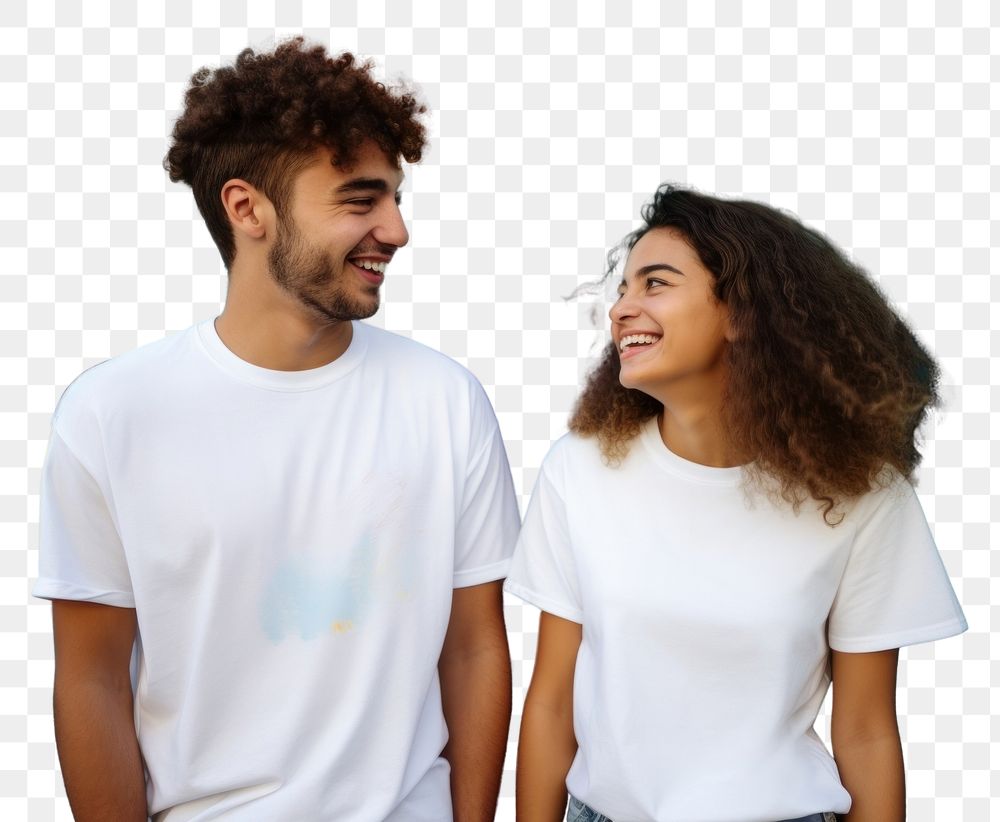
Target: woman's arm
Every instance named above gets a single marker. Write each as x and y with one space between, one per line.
866 735
548 744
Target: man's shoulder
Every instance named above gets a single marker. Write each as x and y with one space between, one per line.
393 350
106 383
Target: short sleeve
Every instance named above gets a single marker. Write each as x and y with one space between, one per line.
895 590
80 552
543 571
488 519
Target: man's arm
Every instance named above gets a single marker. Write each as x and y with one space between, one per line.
865 735
548 742
95 729
476 696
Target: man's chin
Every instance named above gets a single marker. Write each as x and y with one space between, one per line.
367 312
342 310
366 306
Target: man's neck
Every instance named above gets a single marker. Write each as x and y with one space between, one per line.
280 337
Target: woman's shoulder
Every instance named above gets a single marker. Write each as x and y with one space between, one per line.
573 461
890 493
575 451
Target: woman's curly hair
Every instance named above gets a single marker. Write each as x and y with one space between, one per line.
262 119
826 385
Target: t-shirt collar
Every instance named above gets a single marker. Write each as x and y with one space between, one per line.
306 380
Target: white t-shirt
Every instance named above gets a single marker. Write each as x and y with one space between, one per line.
707 623
290 542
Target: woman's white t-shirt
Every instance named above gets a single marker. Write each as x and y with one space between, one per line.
708 614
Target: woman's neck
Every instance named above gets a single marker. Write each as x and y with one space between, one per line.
694 430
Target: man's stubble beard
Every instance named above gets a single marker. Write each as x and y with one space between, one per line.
307 274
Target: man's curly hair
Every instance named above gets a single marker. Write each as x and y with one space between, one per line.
826 385
262 119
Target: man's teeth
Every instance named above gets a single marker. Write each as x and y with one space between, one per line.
636 339
371 266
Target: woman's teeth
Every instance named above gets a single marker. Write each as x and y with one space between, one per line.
636 339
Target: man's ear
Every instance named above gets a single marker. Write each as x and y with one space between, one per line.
250 212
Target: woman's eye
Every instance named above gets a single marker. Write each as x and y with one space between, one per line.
653 281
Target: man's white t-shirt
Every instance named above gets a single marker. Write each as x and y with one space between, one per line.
708 615
290 542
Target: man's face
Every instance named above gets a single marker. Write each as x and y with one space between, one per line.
338 233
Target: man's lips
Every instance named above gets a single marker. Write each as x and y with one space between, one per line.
370 275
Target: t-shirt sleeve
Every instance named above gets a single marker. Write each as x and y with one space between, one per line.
488 519
543 571
895 590
80 552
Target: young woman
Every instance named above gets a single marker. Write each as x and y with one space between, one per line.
728 527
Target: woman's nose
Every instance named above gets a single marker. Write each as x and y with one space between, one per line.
623 308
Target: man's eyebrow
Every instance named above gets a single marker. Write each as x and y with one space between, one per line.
362 184
646 270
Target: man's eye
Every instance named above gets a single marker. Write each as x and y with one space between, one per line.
366 202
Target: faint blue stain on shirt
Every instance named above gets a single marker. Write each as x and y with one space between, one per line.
308 597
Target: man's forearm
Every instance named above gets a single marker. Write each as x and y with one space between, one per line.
872 772
98 751
476 696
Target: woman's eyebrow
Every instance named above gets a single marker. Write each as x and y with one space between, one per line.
646 270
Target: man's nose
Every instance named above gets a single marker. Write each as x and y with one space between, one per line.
391 229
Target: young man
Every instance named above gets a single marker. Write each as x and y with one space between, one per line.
292 524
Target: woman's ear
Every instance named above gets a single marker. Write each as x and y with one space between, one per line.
727 322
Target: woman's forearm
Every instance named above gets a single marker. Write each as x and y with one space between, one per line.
872 771
544 755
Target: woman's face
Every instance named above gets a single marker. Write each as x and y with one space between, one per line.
668 326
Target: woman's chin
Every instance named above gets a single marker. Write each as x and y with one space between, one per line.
633 381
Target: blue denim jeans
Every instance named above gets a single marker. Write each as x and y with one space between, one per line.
578 812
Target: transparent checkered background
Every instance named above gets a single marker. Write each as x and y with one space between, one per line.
550 126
